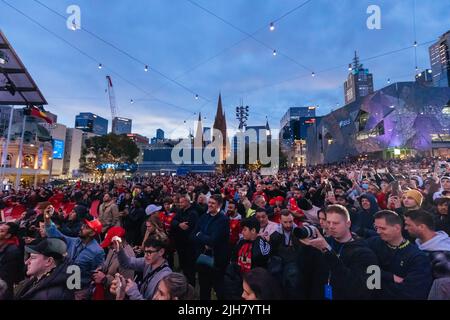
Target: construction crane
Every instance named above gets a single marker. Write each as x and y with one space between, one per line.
112 97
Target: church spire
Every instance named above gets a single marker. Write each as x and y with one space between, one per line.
220 124
199 131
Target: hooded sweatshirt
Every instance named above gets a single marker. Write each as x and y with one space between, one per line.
438 250
362 221
440 242
439 193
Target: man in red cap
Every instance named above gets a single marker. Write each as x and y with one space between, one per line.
83 251
104 275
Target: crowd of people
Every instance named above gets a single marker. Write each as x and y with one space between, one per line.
363 230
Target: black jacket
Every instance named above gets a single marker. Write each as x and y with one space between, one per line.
11 266
213 232
288 253
442 223
181 236
346 267
260 253
407 262
50 287
132 224
243 260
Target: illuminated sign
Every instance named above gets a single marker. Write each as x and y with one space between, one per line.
58 149
344 123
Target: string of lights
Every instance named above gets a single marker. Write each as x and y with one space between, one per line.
132 57
90 57
303 75
271 28
249 35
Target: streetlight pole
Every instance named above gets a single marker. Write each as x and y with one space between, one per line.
50 169
6 146
19 169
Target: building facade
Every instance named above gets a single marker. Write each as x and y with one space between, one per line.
440 60
291 133
89 122
359 82
400 120
121 125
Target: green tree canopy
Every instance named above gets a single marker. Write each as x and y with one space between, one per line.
110 148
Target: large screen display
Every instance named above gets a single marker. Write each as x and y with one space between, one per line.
58 149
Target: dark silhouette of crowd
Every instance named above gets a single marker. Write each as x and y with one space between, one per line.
355 230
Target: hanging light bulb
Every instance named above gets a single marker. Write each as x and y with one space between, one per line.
131 101
100 66
272 26
274 52
313 74
349 67
196 97
389 80
146 68
415 43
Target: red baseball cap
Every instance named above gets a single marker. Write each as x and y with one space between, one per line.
95 225
114 231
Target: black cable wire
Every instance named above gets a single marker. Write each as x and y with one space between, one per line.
248 34
91 57
151 68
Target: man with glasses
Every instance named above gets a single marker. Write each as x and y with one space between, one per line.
83 251
153 266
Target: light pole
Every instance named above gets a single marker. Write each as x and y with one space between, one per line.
242 115
19 169
6 146
50 167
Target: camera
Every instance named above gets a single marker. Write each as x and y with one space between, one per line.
306 232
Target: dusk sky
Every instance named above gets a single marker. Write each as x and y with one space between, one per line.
183 41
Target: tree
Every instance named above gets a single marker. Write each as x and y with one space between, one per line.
108 149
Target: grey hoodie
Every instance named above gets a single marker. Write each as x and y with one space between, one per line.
440 242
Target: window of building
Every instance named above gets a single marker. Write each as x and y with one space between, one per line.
440 137
446 110
378 130
361 120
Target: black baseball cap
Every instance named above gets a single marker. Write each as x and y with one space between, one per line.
49 247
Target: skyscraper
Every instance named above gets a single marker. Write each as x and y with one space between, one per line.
220 124
359 82
89 122
292 133
440 61
121 125
159 134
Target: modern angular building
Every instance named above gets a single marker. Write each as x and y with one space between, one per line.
400 120
89 122
121 125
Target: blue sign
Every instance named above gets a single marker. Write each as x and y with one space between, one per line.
182 171
118 167
58 149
